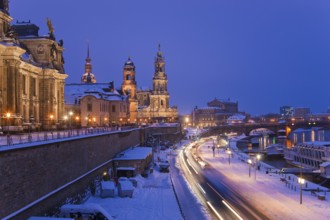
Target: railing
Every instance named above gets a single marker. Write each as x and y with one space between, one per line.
14 139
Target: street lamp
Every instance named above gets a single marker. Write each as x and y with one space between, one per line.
257 164
8 117
70 115
51 121
229 154
65 117
187 121
77 121
301 181
249 162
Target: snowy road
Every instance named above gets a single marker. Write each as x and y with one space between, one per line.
219 197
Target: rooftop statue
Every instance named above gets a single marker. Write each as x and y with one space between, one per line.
4 6
50 28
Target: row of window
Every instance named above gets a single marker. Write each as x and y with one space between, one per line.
311 153
106 107
307 161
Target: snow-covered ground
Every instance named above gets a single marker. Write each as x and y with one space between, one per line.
153 198
276 195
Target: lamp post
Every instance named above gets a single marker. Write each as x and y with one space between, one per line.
51 121
77 121
257 164
187 121
8 117
249 162
65 117
301 181
229 154
70 116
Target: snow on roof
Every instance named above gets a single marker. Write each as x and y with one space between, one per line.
87 207
209 107
236 117
126 185
74 92
325 164
134 153
315 143
126 168
107 185
164 125
308 129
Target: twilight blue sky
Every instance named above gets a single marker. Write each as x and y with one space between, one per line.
261 53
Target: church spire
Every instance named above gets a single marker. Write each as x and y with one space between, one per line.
159 54
88 59
88 76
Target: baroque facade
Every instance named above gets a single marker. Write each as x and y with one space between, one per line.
154 105
32 75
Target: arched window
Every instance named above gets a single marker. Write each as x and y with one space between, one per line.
128 77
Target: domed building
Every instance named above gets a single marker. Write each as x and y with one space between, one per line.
88 76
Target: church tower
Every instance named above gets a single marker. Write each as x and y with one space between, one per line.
88 76
129 88
160 97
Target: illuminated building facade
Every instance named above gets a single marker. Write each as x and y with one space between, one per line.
128 88
32 75
154 104
216 113
95 104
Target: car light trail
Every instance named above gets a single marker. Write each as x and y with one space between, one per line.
215 191
184 162
201 188
231 209
192 167
213 209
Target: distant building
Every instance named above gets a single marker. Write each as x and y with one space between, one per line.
286 112
236 119
225 105
318 117
216 113
301 112
32 74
